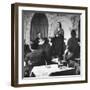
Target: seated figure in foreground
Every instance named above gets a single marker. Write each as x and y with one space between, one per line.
73 51
34 58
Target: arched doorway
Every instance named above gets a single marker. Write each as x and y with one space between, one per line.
39 24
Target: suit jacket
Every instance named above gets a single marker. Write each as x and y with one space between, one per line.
36 58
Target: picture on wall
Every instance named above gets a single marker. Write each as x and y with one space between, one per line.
49 44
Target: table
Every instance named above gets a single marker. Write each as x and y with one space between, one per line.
52 70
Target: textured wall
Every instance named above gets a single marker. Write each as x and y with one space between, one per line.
69 21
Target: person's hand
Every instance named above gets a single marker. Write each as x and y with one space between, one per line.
29 62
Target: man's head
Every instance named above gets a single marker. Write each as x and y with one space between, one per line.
73 33
39 35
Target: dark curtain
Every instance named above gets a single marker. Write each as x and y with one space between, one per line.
39 24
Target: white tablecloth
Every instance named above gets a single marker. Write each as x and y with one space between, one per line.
46 70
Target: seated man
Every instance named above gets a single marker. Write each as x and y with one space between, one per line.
43 45
73 45
34 58
73 51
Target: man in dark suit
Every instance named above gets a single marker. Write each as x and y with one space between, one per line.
73 52
43 44
34 58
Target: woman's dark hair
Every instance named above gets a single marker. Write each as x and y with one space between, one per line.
60 25
73 33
